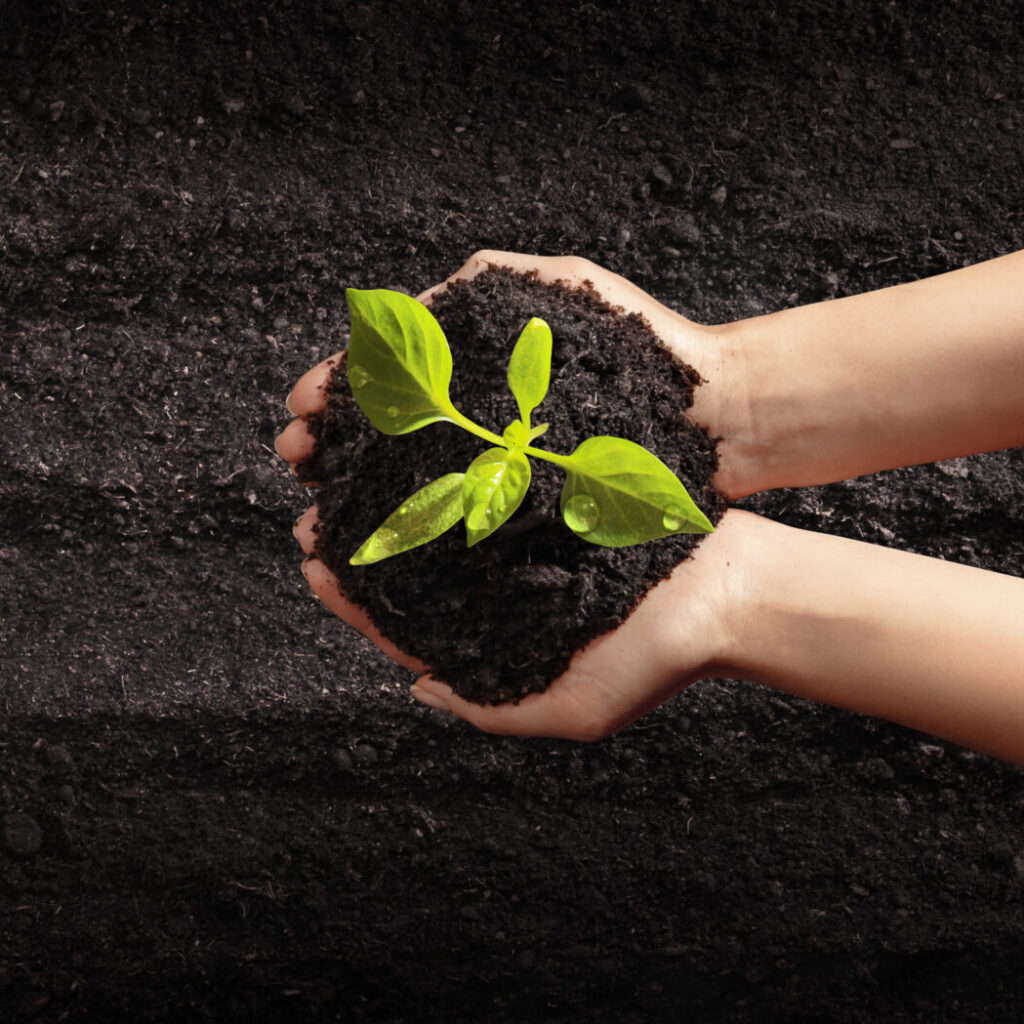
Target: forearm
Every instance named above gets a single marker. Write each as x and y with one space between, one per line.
928 644
923 371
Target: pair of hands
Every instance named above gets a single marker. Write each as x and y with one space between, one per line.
678 633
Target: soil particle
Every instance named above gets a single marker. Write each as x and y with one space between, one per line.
342 759
682 230
365 755
22 834
58 757
662 176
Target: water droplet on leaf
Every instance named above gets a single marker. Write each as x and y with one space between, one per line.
387 539
358 377
479 518
393 412
673 518
581 513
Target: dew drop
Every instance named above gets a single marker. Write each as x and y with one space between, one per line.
358 377
479 518
581 513
393 412
387 539
405 509
673 518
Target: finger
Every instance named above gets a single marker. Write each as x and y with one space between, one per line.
560 711
575 272
546 267
326 587
309 394
473 266
295 443
483 260
522 719
306 529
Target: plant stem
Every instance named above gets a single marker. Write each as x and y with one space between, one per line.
562 461
474 428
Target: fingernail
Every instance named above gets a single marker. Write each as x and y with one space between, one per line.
288 404
430 699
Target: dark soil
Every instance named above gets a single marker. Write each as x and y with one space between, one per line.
216 802
502 619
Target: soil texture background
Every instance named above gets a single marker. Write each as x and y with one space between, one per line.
216 802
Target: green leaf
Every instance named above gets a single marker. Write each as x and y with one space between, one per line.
399 365
420 518
495 485
516 435
529 369
617 493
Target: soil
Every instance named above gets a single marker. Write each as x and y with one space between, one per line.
216 803
502 619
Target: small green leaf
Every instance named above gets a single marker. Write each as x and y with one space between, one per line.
399 365
516 435
495 485
617 493
420 518
537 431
529 369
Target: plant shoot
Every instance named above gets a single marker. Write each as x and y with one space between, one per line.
399 367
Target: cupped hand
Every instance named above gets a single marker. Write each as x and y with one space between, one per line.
680 630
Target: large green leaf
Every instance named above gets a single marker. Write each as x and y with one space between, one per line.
617 493
495 485
399 365
420 518
529 369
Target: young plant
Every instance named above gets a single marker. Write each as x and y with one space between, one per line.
399 367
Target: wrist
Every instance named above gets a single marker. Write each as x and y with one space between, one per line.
730 573
747 605
745 390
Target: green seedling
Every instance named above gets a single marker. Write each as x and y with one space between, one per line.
399 367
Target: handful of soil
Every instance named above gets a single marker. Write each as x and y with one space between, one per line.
502 619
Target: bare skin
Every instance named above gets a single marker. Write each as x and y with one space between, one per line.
758 600
923 371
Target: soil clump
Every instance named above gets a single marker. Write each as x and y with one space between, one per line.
502 619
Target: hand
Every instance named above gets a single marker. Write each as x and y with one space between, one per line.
673 637
680 632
